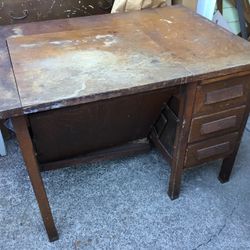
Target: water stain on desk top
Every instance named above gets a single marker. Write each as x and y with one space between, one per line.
107 56
62 66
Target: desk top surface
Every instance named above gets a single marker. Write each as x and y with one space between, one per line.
74 61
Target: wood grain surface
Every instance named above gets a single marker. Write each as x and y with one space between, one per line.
54 67
9 98
100 57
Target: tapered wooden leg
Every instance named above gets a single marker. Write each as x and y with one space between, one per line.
26 145
176 171
175 183
228 163
227 167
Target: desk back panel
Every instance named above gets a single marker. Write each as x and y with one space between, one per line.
70 132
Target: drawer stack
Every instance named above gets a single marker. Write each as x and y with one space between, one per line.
218 116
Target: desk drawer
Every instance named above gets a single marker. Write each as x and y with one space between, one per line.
215 125
215 97
19 11
211 149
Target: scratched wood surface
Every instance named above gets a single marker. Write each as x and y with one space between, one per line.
9 98
105 56
22 11
10 104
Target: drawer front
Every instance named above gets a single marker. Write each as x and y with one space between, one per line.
211 149
19 11
215 97
215 125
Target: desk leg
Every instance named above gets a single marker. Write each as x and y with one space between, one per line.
227 167
228 163
187 98
26 145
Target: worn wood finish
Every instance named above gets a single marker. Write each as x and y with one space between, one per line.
10 104
26 145
163 132
225 94
81 129
228 162
134 63
222 95
154 139
176 153
208 126
105 68
212 149
9 101
20 11
110 42
183 33
126 150
224 114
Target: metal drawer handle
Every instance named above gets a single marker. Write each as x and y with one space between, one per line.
25 14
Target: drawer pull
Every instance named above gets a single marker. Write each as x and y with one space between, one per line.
213 150
215 126
224 94
25 14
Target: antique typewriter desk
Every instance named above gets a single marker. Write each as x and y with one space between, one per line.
94 88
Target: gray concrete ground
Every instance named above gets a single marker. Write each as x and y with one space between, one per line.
122 204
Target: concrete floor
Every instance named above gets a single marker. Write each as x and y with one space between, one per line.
123 204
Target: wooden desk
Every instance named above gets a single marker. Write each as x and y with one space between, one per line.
86 86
